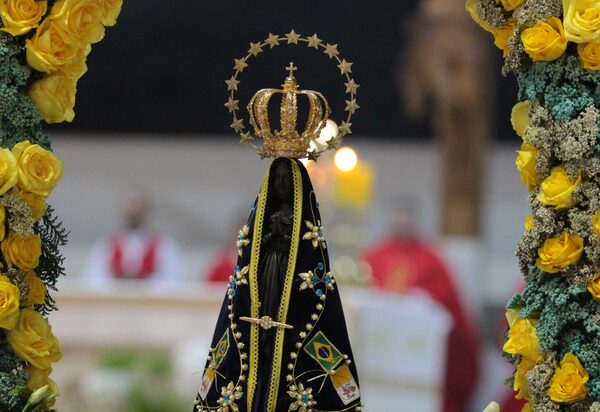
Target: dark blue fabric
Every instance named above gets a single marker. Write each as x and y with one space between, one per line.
301 306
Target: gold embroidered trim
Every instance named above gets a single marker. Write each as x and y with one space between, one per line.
285 298
254 296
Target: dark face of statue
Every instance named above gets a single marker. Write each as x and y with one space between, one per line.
282 181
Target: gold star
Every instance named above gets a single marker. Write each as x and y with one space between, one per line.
232 84
292 37
262 152
351 86
255 48
331 50
246 137
313 155
333 143
237 125
272 40
351 106
345 67
314 41
344 128
240 64
232 105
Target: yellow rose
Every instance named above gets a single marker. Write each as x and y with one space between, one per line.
589 55
20 16
50 47
502 35
37 204
528 222
519 117
556 189
596 223
527 407
37 290
77 67
545 41
81 19
32 340
568 383
112 9
557 253
523 340
8 170
39 169
54 97
582 20
22 251
594 286
10 297
2 222
525 162
471 8
510 5
520 385
38 378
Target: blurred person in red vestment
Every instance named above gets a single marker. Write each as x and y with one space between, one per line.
403 262
134 252
223 264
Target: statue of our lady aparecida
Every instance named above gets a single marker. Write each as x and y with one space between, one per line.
281 342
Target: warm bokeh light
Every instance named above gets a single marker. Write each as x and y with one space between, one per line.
345 159
328 132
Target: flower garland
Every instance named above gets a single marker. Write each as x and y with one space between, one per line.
553 47
43 50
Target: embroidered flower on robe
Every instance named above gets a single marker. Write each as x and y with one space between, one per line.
304 398
310 279
228 397
314 234
238 278
242 239
240 275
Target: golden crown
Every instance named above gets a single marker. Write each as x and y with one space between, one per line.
288 141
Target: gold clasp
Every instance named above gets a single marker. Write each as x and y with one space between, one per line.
266 323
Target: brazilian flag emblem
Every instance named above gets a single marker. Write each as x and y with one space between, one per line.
322 350
221 349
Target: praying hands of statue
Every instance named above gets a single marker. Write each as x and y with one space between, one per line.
276 231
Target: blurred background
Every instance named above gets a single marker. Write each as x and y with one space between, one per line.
422 206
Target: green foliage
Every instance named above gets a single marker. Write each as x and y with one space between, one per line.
13 378
51 267
151 370
19 118
139 401
153 363
567 319
564 87
11 397
8 360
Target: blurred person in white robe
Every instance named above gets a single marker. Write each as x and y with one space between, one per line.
135 251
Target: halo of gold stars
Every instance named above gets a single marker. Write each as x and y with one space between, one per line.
291 38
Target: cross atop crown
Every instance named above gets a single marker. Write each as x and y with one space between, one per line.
291 68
